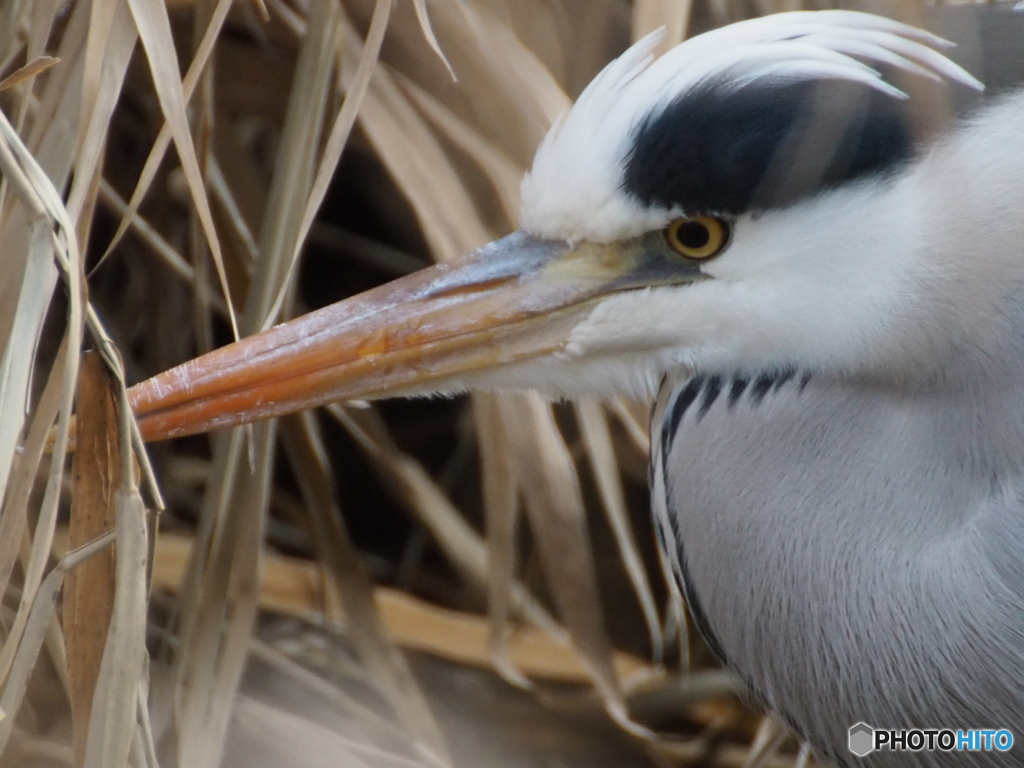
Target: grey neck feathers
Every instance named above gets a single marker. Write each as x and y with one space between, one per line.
856 551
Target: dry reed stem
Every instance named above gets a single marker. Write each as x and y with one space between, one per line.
597 439
89 591
502 517
36 66
385 665
154 31
296 587
466 550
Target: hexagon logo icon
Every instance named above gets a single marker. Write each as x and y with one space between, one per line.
862 739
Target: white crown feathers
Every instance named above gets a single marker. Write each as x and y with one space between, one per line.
573 190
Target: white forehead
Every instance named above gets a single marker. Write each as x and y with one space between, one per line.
574 190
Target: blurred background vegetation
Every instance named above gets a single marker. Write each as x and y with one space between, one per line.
463 582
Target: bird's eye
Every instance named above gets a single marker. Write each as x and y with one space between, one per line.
697 237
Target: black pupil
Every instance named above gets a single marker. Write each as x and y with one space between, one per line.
693 234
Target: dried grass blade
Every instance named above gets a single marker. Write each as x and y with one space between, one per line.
463 547
428 33
89 591
144 747
221 611
597 439
385 664
97 33
11 14
288 16
123 673
633 417
804 756
294 165
367 719
674 15
42 611
505 174
466 639
338 138
154 28
40 27
58 653
229 204
676 631
695 752
37 66
129 432
119 44
554 506
14 516
221 599
420 166
321 747
113 724
37 559
15 367
295 587
502 515
767 741
57 117
145 231
509 67
51 238
163 139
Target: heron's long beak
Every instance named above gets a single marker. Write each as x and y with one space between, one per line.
514 299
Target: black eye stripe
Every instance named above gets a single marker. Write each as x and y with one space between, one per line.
766 145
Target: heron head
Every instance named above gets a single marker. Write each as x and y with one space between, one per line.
796 170
729 205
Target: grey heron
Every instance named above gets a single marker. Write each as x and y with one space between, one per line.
826 297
